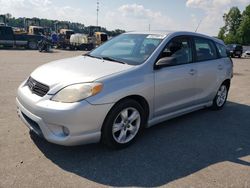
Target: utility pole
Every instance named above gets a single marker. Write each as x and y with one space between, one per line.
97 12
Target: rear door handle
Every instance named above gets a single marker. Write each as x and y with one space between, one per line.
192 72
220 67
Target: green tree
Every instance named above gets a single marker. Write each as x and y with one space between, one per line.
244 28
232 20
221 34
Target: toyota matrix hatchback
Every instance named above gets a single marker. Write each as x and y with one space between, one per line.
133 81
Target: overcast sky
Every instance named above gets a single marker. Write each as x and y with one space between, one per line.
130 14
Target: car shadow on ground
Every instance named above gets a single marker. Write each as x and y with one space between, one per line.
164 153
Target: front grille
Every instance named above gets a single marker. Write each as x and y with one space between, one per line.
37 87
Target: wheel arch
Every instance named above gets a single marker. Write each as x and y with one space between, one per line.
227 82
138 98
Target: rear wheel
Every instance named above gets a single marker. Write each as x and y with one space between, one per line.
221 97
123 124
32 45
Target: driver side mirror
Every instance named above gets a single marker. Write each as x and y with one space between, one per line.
165 62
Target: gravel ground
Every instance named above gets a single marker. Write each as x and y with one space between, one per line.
201 149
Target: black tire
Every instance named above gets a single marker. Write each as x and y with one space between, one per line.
107 128
39 46
219 105
32 45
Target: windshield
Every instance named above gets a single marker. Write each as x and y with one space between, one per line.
38 31
132 49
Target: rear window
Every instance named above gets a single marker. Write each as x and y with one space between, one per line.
238 47
205 49
222 50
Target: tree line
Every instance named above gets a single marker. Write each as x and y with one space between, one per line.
77 27
237 27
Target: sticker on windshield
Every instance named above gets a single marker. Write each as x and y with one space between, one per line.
156 36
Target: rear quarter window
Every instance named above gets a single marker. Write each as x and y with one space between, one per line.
222 50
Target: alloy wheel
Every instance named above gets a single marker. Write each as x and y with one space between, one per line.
126 125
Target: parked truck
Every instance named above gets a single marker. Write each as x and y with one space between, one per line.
64 34
9 39
87 42
2 20
33 26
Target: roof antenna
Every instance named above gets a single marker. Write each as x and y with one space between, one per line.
198 26
97 11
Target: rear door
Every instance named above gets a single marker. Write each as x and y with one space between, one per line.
209 66
175 85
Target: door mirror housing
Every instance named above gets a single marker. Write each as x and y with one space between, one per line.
165 62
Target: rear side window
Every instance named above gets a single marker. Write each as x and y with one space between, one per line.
222 50
205 49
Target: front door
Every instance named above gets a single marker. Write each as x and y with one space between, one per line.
175 86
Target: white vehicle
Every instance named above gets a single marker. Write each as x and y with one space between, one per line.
80 42
246 53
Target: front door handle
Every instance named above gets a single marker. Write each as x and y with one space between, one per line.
192 72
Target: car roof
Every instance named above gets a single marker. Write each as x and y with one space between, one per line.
168 33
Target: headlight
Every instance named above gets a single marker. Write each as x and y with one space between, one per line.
77 92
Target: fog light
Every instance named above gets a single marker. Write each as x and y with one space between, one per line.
65 131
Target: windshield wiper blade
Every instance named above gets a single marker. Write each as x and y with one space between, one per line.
88 55
113 59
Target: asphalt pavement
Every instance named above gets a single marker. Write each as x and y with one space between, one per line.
202 149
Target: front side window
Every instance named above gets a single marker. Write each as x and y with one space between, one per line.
180 50
222 50
132 49
205 49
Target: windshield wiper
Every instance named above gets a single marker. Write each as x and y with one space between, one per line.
106 58
88 55
113 59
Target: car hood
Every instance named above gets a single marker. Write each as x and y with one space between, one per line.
79 69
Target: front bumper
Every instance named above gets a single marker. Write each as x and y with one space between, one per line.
49 119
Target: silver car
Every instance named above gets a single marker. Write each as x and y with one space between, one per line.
135 80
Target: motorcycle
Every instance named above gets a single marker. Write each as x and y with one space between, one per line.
44 44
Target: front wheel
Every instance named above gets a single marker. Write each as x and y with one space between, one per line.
123 124
221 97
